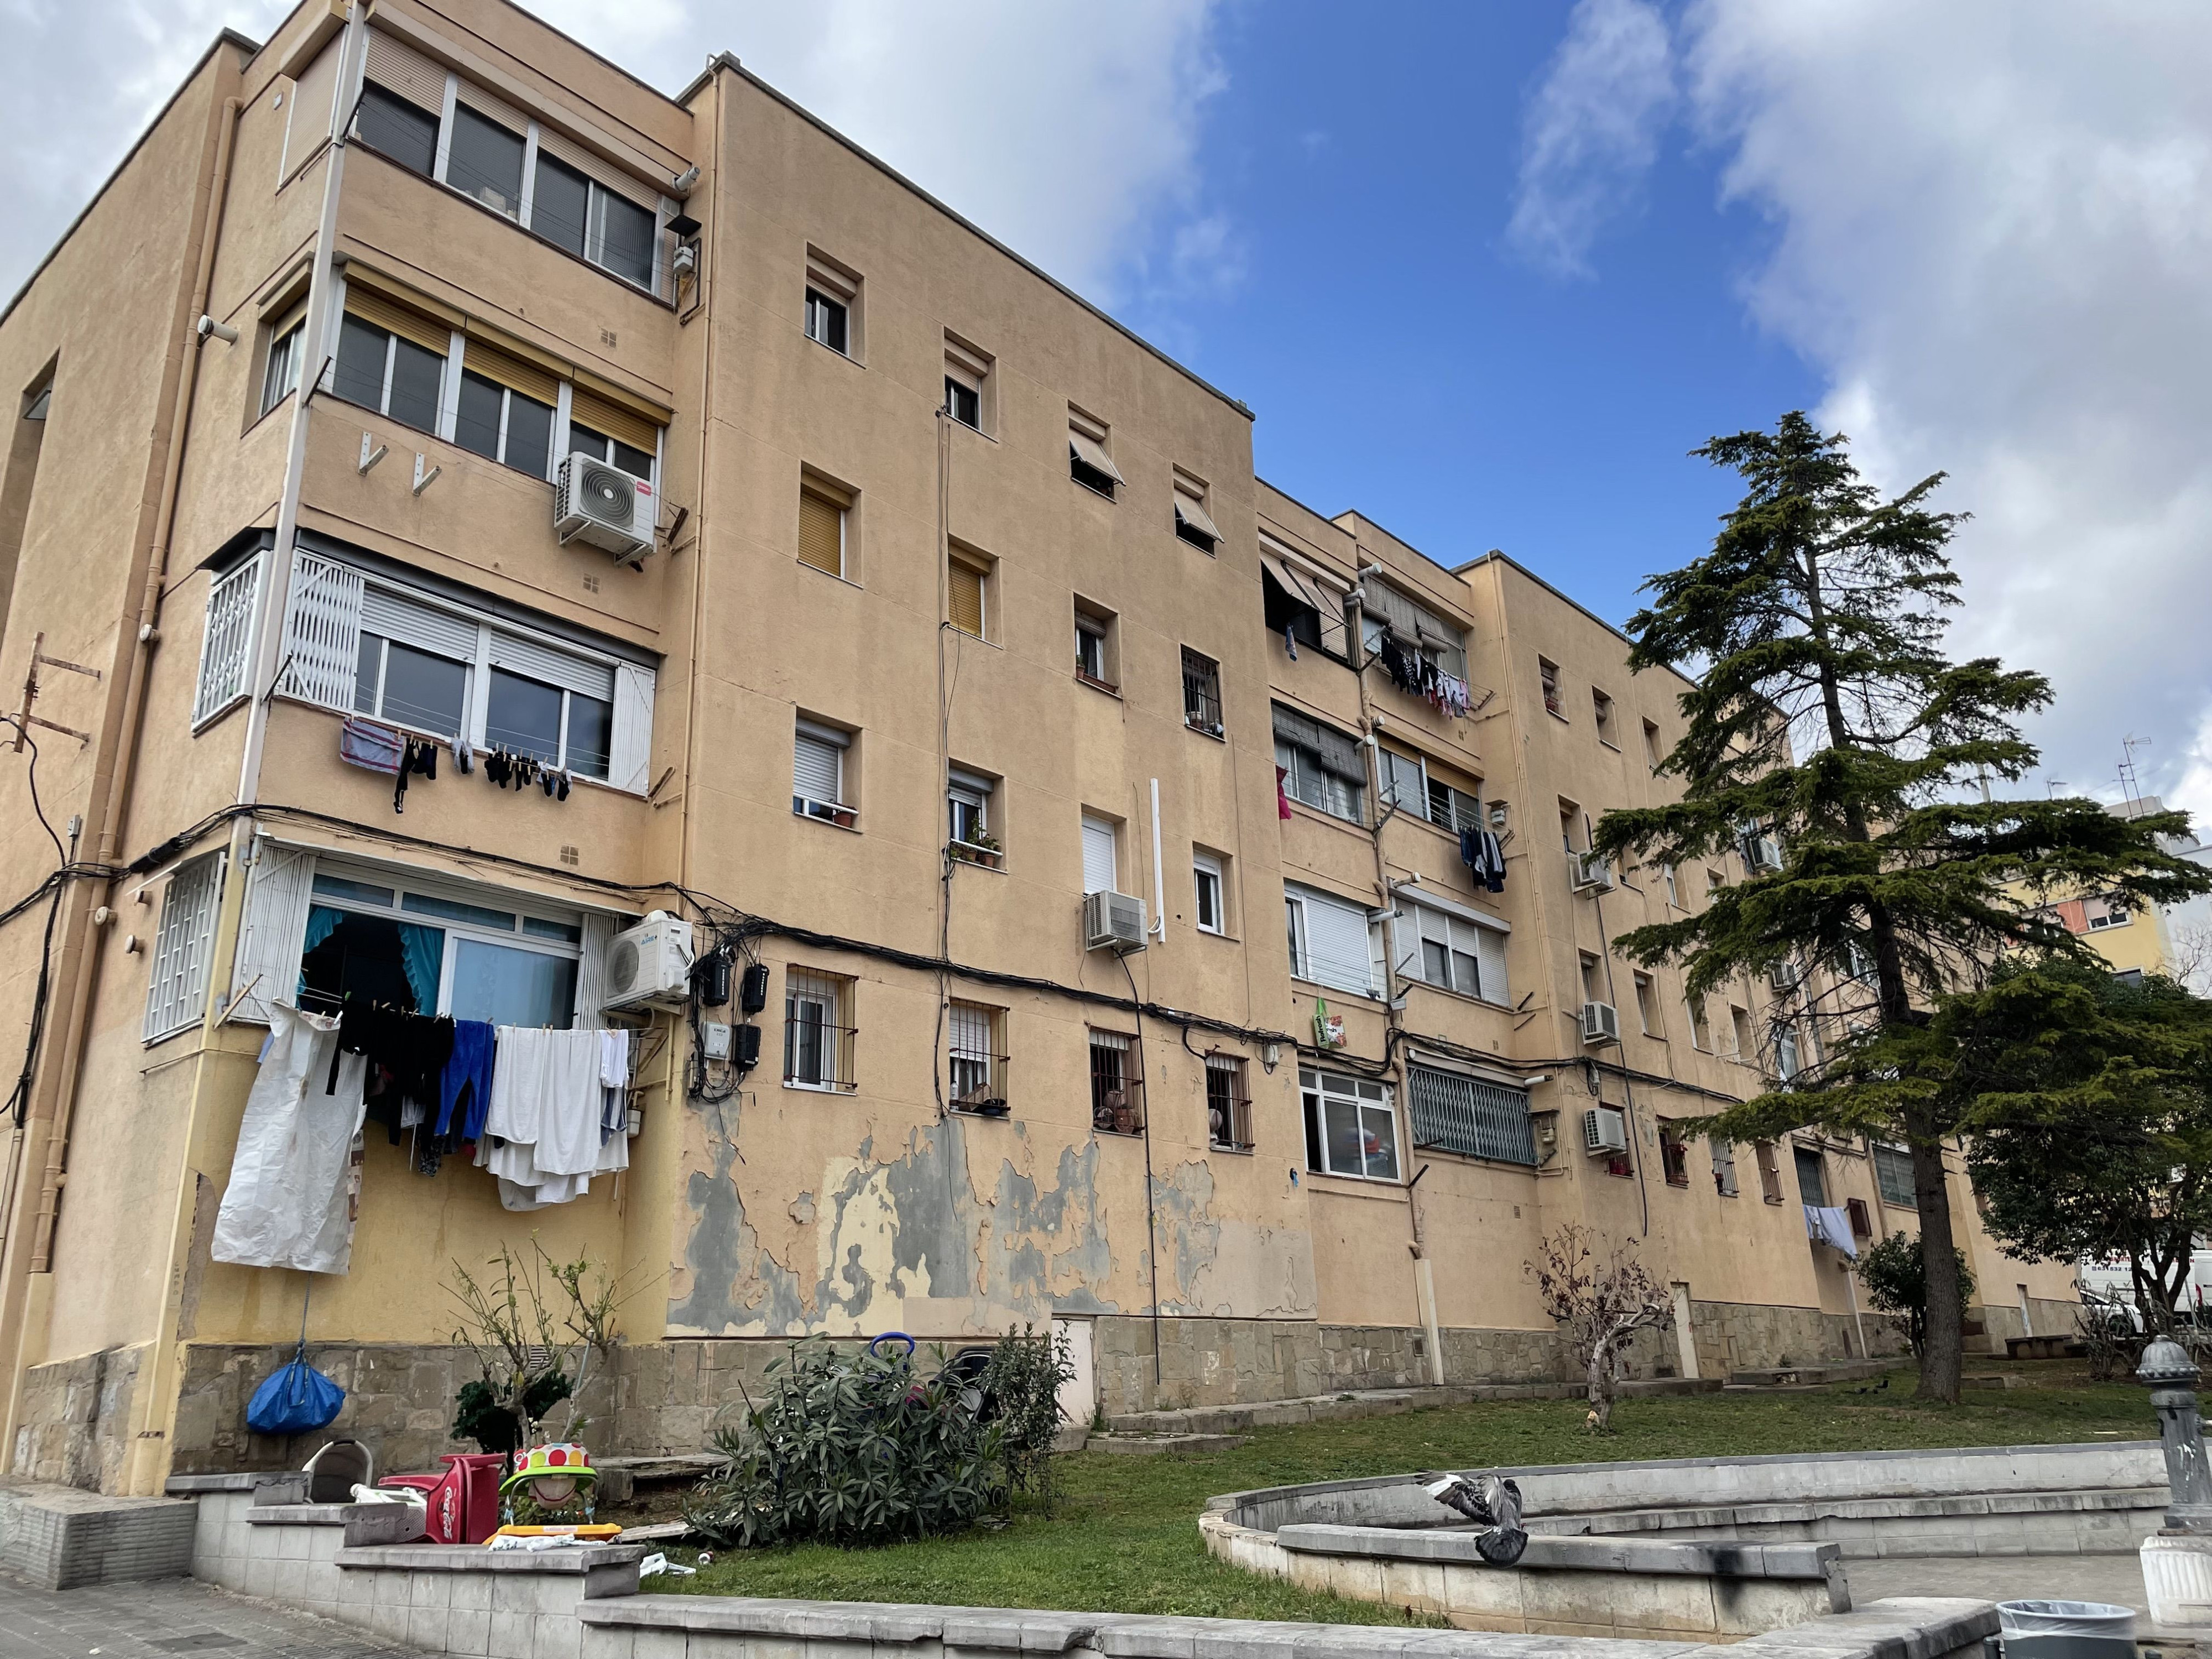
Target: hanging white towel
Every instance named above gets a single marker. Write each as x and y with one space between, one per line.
286 1202
547 1100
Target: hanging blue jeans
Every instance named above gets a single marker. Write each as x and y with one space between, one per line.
466 1082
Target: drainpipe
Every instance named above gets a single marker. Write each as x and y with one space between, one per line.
1424 1282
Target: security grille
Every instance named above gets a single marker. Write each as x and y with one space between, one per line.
176 991
227 643
322 633
1451 1112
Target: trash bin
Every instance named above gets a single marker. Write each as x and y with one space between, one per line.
2066 1630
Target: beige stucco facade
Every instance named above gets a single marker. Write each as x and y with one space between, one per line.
169 509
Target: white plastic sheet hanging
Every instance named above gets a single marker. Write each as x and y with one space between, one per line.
287 1200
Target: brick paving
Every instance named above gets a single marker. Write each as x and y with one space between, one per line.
165 1618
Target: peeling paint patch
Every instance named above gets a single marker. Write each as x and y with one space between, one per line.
1184 1203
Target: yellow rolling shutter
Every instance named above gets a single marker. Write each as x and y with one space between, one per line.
513 372
621 424
372 307
397 66
965 600
821 532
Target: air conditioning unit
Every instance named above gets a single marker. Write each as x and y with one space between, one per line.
1589 873
1782 978
1600 1024
650 963
1604 1130
1763 854
596 502
1113 921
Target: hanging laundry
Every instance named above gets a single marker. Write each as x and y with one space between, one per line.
370 744
541 1135
613 1079
288 1201
1831 1226
1485 858
419 756
464 1083
1282 793
464 757
1291 641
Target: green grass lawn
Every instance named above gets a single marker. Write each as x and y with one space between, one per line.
1124 1536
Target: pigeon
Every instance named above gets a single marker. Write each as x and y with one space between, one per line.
1495 1503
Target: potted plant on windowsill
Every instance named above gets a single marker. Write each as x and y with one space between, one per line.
982 850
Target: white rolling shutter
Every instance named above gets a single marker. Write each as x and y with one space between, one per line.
630 767
322 633
552 666
1338 952
1098 855
1490 957
398 616
278 891
592 972
817 768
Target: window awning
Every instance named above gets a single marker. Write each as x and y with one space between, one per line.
1294 583
1092 453
1190 512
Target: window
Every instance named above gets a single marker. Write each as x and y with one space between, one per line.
1320 766
1117 1086
1812 1177
461 953
1228 1106
823 510
966 382
1332 941
1593 979
391 361
1770 1173
1713 882
1201 693
1667 873
177 981
1453 952
1701 1030
226 637
280 378
1893 1176
1452 1112
598 225
2099 913
1192 522
1601 714
1099 839
408 686
1212 893
1652 752
1094 646
1787 1063
967 589
1570 824
1740 1033
1647 1005
978 1063
1404 781
968 814
1454 809
833 299
484 161
1548 674
498 417
398 129
1299 607
817 772
1674 1154
1724 1157
632 457
818 1033
1861 1218
1350 1127
1088 463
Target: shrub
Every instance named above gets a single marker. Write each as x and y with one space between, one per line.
1022 1387
851 1449
1897 1284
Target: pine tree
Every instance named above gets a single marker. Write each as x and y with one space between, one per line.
1826 715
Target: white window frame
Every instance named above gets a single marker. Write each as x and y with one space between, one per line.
839 743
812 988
1315 1089
1883 1156
177 978
1307 777
556 450
1391 768
1301 903
440 426
1098 626
284 344
1095 827
1206 874
230 625
973 791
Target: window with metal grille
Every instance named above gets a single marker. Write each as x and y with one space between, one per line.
1812 1177
1724 1157
1228 1107
1117 1087
1201 693
227 640
1893 1176
1674 1155
1350 1129
818 1034
978 1076
1451 1112
176 984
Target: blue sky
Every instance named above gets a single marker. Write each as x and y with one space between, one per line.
1486 272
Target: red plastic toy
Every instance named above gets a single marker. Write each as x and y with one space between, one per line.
463 1503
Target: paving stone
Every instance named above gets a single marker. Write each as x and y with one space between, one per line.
153 1620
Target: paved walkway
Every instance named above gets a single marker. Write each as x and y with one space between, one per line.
2116 1579
163 1618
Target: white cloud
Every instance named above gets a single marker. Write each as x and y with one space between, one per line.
1991 224
1592 132
1075 144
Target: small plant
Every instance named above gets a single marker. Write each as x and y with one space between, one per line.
852 1448
1022 1384
1896 1282
534 1325
1599 1307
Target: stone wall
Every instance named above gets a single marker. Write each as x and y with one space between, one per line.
76 1429
1744 1336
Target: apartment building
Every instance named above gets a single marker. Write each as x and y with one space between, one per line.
463 501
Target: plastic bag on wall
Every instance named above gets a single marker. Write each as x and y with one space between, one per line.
286 1203
296 1400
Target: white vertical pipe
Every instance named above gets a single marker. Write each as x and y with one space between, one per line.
1159 883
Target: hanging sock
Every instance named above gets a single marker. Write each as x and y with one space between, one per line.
464 757
566 778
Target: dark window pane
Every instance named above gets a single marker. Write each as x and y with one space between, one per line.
594 444
523 716
371 959
560 204
477 427
636 462
965 406
477 915
626 236
282 375
360 377
485 163
423 691
529 435
591 735
406 133
825 319
415 375
367 668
